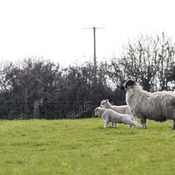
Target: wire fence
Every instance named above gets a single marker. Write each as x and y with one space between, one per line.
45 110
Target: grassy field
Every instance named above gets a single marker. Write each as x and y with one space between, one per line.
84 147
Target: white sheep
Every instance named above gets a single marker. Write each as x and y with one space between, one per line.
158 106
108 115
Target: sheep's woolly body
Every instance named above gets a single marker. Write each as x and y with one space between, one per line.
158 106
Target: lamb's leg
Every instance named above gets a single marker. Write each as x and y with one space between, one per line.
133 119
143 122
106 123
113 125
134 123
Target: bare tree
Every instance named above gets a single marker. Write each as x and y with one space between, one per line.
150 60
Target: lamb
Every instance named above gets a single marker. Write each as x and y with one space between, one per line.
123 109
157 106
108 115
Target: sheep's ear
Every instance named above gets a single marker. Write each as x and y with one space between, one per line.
107 100
130 82
122 87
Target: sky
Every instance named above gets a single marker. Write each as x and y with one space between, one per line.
55 29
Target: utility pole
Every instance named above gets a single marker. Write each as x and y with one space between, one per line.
95 58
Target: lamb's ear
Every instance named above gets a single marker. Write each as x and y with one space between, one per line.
107 100
96 109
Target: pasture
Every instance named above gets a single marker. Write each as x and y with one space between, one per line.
84 147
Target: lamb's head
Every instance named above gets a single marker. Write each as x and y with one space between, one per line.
104 103
128 85
98 111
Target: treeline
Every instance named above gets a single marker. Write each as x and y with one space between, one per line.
38 88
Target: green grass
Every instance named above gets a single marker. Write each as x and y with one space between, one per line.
84 147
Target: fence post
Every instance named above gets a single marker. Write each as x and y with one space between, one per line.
36 109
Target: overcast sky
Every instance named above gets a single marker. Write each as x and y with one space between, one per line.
53 29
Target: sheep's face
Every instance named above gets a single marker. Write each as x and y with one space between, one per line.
128 85
97 112
103 103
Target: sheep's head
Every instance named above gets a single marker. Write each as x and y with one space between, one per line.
103 103
128 85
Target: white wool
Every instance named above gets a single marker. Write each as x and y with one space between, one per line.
108 115
158 106
123 109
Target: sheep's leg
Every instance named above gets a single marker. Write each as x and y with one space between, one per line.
143 122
